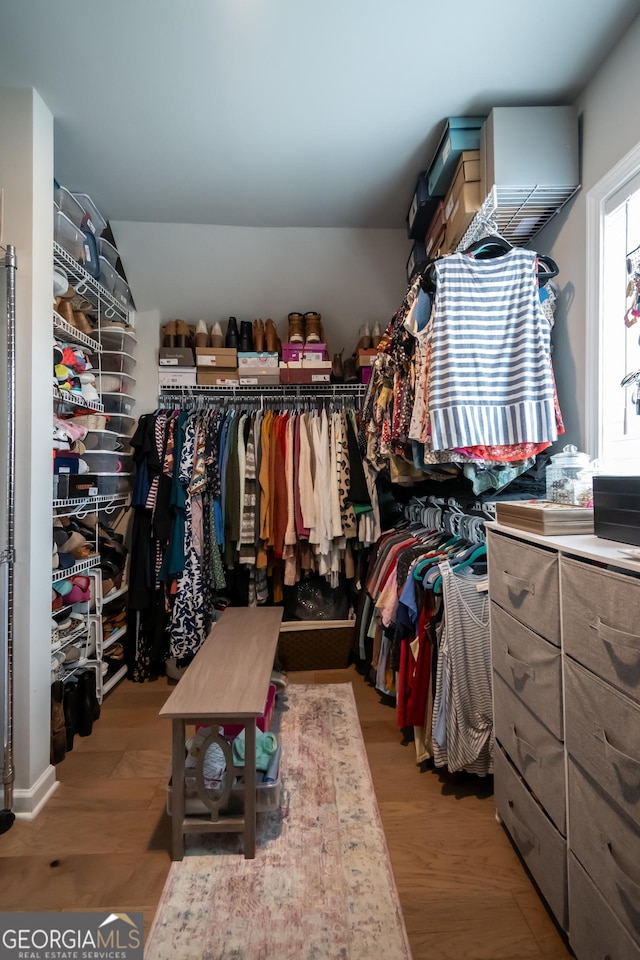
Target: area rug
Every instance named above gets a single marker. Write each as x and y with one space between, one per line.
321 886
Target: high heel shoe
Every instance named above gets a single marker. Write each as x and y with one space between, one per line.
202 334
337 368
271 336
182 336
169 334
216 337
258 335
364 338
376 334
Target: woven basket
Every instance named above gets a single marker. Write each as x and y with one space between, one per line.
316 648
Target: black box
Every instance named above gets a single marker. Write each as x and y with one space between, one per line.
83 485
421 210
418 259
616 509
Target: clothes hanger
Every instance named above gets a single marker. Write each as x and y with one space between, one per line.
549 269
488 247
428 280
475 554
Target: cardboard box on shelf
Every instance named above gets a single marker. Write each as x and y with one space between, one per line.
176 376
258 378
434 239
226 357
365 374
466 204
300 351
365 358
176 357
316 364
217 377
298 376
254 360
460 133
467 171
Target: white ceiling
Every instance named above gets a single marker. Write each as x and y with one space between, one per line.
283 112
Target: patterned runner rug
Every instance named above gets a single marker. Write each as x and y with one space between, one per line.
321 885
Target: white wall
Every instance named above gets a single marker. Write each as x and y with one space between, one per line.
192 271
26 174
608 110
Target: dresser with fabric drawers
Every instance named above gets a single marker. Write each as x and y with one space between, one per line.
565 634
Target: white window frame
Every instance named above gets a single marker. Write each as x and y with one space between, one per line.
622 173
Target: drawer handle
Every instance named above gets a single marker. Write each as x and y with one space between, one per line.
526 747
523 830
611 635
519 585
630 886
601 734
520 665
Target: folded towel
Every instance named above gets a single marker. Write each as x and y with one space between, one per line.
266 746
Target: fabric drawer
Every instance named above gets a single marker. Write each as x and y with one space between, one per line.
600 623
524 581
607 844
541 847
530 666
594 931
602 730
537 754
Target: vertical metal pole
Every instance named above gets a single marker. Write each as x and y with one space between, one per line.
6 815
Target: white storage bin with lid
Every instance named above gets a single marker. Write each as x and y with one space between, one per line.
108 275
569 477
117 404
117 361
69 236
70 206
121 292
97 221
108 461
117 338
108 251
115 383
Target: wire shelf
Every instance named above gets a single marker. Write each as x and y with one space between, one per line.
110 682
78 567
203 396
517 213
80 506
76 400
88 287
63 329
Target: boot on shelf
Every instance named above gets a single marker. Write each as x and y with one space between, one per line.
364 338
169 334
376 334
182 336
312 327
258 335
232 337
350 372
246 336
337 368
295 333
271 336
216 337
70 705
88 706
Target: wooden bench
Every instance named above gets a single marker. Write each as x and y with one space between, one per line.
227 682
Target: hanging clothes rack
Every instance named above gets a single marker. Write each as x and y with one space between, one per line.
201 398
448 515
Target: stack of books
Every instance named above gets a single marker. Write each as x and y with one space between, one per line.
545 517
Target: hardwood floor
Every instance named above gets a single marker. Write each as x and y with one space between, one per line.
102 841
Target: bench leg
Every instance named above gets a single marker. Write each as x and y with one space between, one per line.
250 790
177 792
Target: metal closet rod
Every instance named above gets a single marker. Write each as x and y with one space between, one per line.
202 397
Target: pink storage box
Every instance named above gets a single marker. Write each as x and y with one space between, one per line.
296 351
365 374
263 723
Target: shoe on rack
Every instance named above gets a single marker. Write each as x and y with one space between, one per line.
312 327
169 334
295 332
246 337
337 368
65 310
258 335
70 707
364 338
202 334
350 372
58 729
182 336
232 337
376 334
271 336
216 336
88 706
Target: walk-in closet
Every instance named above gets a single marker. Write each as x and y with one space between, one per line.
319 490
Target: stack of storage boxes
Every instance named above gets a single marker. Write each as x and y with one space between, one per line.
176 367
216 366
258 369
305 363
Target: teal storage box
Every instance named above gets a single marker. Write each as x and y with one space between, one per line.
460 133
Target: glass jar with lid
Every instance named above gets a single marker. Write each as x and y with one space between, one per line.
569 477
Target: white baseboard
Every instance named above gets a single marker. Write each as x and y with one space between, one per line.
27 804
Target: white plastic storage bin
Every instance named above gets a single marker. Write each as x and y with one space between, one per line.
113 484
70 206
116 361
115 383
98 222
103 440
117 403
107 275
108 461
108 251
69 236
121 292
114 338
